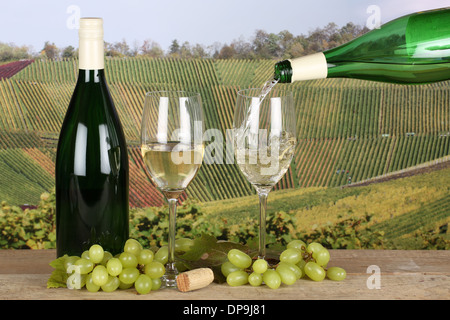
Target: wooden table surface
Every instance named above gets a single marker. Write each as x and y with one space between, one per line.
408 274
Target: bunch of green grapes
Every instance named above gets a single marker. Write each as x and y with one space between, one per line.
296 261
97 269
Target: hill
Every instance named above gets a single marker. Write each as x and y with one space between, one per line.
438 164
398 207
8 70
348 130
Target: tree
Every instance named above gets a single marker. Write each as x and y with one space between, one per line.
243 49
286 40
68 52
295 50
318 40
199 52
117 49
151 48
227 52
260 44
214 49
274 45
122 48
185 51
135 50
266 45
6 52
50 50
174 49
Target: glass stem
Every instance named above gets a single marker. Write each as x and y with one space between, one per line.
172 223
262 223
171 270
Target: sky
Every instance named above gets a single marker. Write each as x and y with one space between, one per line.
205 22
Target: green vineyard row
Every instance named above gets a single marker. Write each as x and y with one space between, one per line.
348 130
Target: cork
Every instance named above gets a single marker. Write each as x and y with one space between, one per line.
194 279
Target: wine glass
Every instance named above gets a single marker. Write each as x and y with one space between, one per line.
172 150
265 138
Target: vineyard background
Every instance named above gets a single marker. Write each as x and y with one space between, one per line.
348 130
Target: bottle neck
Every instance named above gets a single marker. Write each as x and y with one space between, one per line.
91 76
313 66
91 54
283 71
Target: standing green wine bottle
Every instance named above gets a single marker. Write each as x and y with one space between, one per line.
92 159
411 49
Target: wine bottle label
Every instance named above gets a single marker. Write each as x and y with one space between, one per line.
91 47
313 66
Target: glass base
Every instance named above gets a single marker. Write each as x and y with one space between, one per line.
169 279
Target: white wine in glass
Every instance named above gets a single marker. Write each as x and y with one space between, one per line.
265 166
172 166
265 140
172 151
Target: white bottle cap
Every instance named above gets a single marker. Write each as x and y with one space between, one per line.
313 66
91 47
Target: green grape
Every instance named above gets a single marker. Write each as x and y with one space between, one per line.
260 266
322 257
336 274
255 279
314 246
155 269
156 284
286 274
111 285
85 255
301 266
90 286
99 275
86 265
297 244
129 275
114 267
291 255
68 261
237 278
124 286
183 244
143 284
132 246
162 255
107 255
128 260
145 256
272 279
295 268
239 258
227 267
314 271
83 280
96 253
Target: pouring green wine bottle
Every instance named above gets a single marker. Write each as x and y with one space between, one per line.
412 49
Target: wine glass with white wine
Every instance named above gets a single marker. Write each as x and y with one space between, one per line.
172 150
265 138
